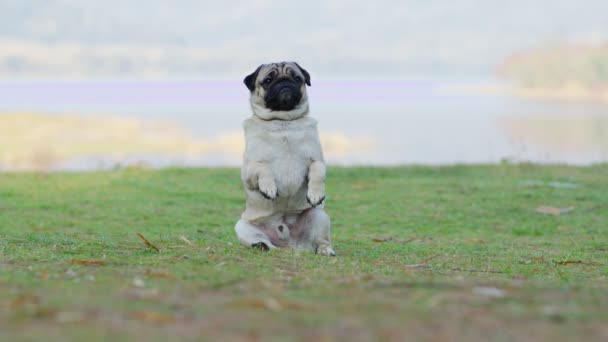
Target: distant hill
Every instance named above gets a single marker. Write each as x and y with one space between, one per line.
193 38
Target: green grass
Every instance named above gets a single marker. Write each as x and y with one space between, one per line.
416 246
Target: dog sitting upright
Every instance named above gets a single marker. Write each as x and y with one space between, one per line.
283 169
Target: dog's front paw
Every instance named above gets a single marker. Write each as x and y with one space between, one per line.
326 250
315 198
268 188
316 193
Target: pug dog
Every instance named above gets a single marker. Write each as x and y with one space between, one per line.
283 171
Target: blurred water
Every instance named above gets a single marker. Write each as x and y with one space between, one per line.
400 122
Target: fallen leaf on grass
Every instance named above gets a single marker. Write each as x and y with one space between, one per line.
385 239
553 210
88 262
153 317
151 246
577 262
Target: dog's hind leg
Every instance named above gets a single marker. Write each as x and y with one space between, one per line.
314 234
251 236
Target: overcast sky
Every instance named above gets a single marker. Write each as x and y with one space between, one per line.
109 38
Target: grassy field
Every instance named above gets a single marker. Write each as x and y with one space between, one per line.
451 253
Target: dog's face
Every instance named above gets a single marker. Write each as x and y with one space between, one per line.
278 91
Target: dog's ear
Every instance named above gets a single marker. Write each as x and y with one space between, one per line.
250 79
306 74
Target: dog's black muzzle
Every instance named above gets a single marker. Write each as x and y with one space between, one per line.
284 95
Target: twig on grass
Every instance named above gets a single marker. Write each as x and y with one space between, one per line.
150 245
475 271
577 262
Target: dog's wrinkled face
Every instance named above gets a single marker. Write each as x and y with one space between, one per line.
278 91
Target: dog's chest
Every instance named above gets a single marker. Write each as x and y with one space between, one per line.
289 143
281 141
287 148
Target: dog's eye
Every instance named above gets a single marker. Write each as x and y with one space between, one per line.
267 80
298 79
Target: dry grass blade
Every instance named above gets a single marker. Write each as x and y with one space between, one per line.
183 238
386 239
422 264
88 262
476 271
150 245
389 238
577 262
553 210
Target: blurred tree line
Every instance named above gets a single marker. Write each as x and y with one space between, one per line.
559 66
